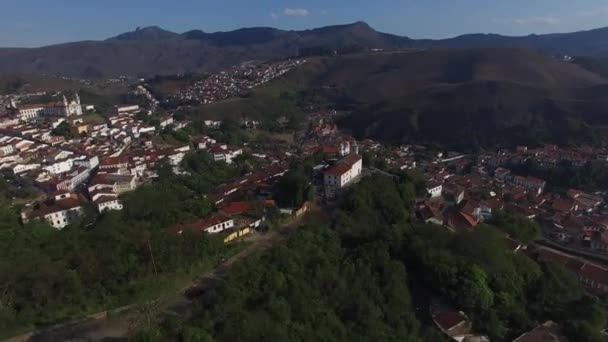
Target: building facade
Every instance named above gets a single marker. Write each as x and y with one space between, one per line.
342 174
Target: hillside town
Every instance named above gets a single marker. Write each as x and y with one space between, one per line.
104 157
74 161
231 82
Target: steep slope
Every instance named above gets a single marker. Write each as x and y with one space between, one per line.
458 97
152 50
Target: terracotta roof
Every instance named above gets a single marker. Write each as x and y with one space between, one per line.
236 208
199 226
338 169
563 205
343 166
114 161
51 206
329 149
31 106
105 199
447 320
595 273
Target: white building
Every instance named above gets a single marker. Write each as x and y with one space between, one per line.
213 225
74 178
126 109
7 149
106 200
25 167
61 108
60 166
213 124
342 174
166 121
64 209
434 189
224 153
118 183
202 143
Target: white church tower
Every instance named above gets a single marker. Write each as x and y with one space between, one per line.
74 107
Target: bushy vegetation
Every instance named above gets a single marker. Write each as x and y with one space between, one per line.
63 130
352 279
517 227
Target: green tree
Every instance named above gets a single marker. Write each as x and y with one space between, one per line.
63 130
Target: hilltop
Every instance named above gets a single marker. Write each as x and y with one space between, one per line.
152 50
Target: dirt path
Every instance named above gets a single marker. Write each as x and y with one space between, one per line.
118 327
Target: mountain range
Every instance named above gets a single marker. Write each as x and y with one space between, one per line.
152 50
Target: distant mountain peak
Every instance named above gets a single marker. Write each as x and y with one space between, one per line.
361 24
146 33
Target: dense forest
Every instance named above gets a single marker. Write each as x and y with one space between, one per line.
48 276
365 276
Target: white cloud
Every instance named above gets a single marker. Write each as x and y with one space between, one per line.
296 12
542 20
596 12
274 15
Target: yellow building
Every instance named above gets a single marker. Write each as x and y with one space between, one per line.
236 233
80 128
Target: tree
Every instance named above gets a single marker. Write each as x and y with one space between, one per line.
556 290
292 189
192 334
63 130
518 227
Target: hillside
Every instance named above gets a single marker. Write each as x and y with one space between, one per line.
457 97
152 50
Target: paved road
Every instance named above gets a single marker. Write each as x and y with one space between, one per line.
117 328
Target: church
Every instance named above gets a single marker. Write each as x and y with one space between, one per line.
63 108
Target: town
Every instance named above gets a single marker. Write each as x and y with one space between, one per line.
228 83
68 158
304 171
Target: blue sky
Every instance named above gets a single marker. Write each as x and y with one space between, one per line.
42 22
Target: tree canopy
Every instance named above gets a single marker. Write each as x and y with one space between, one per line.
352 279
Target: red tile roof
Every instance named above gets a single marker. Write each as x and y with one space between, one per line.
338 169
447 320
114 161
594 273
563 205
105 199
236 208
200 225
344 165
48 207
